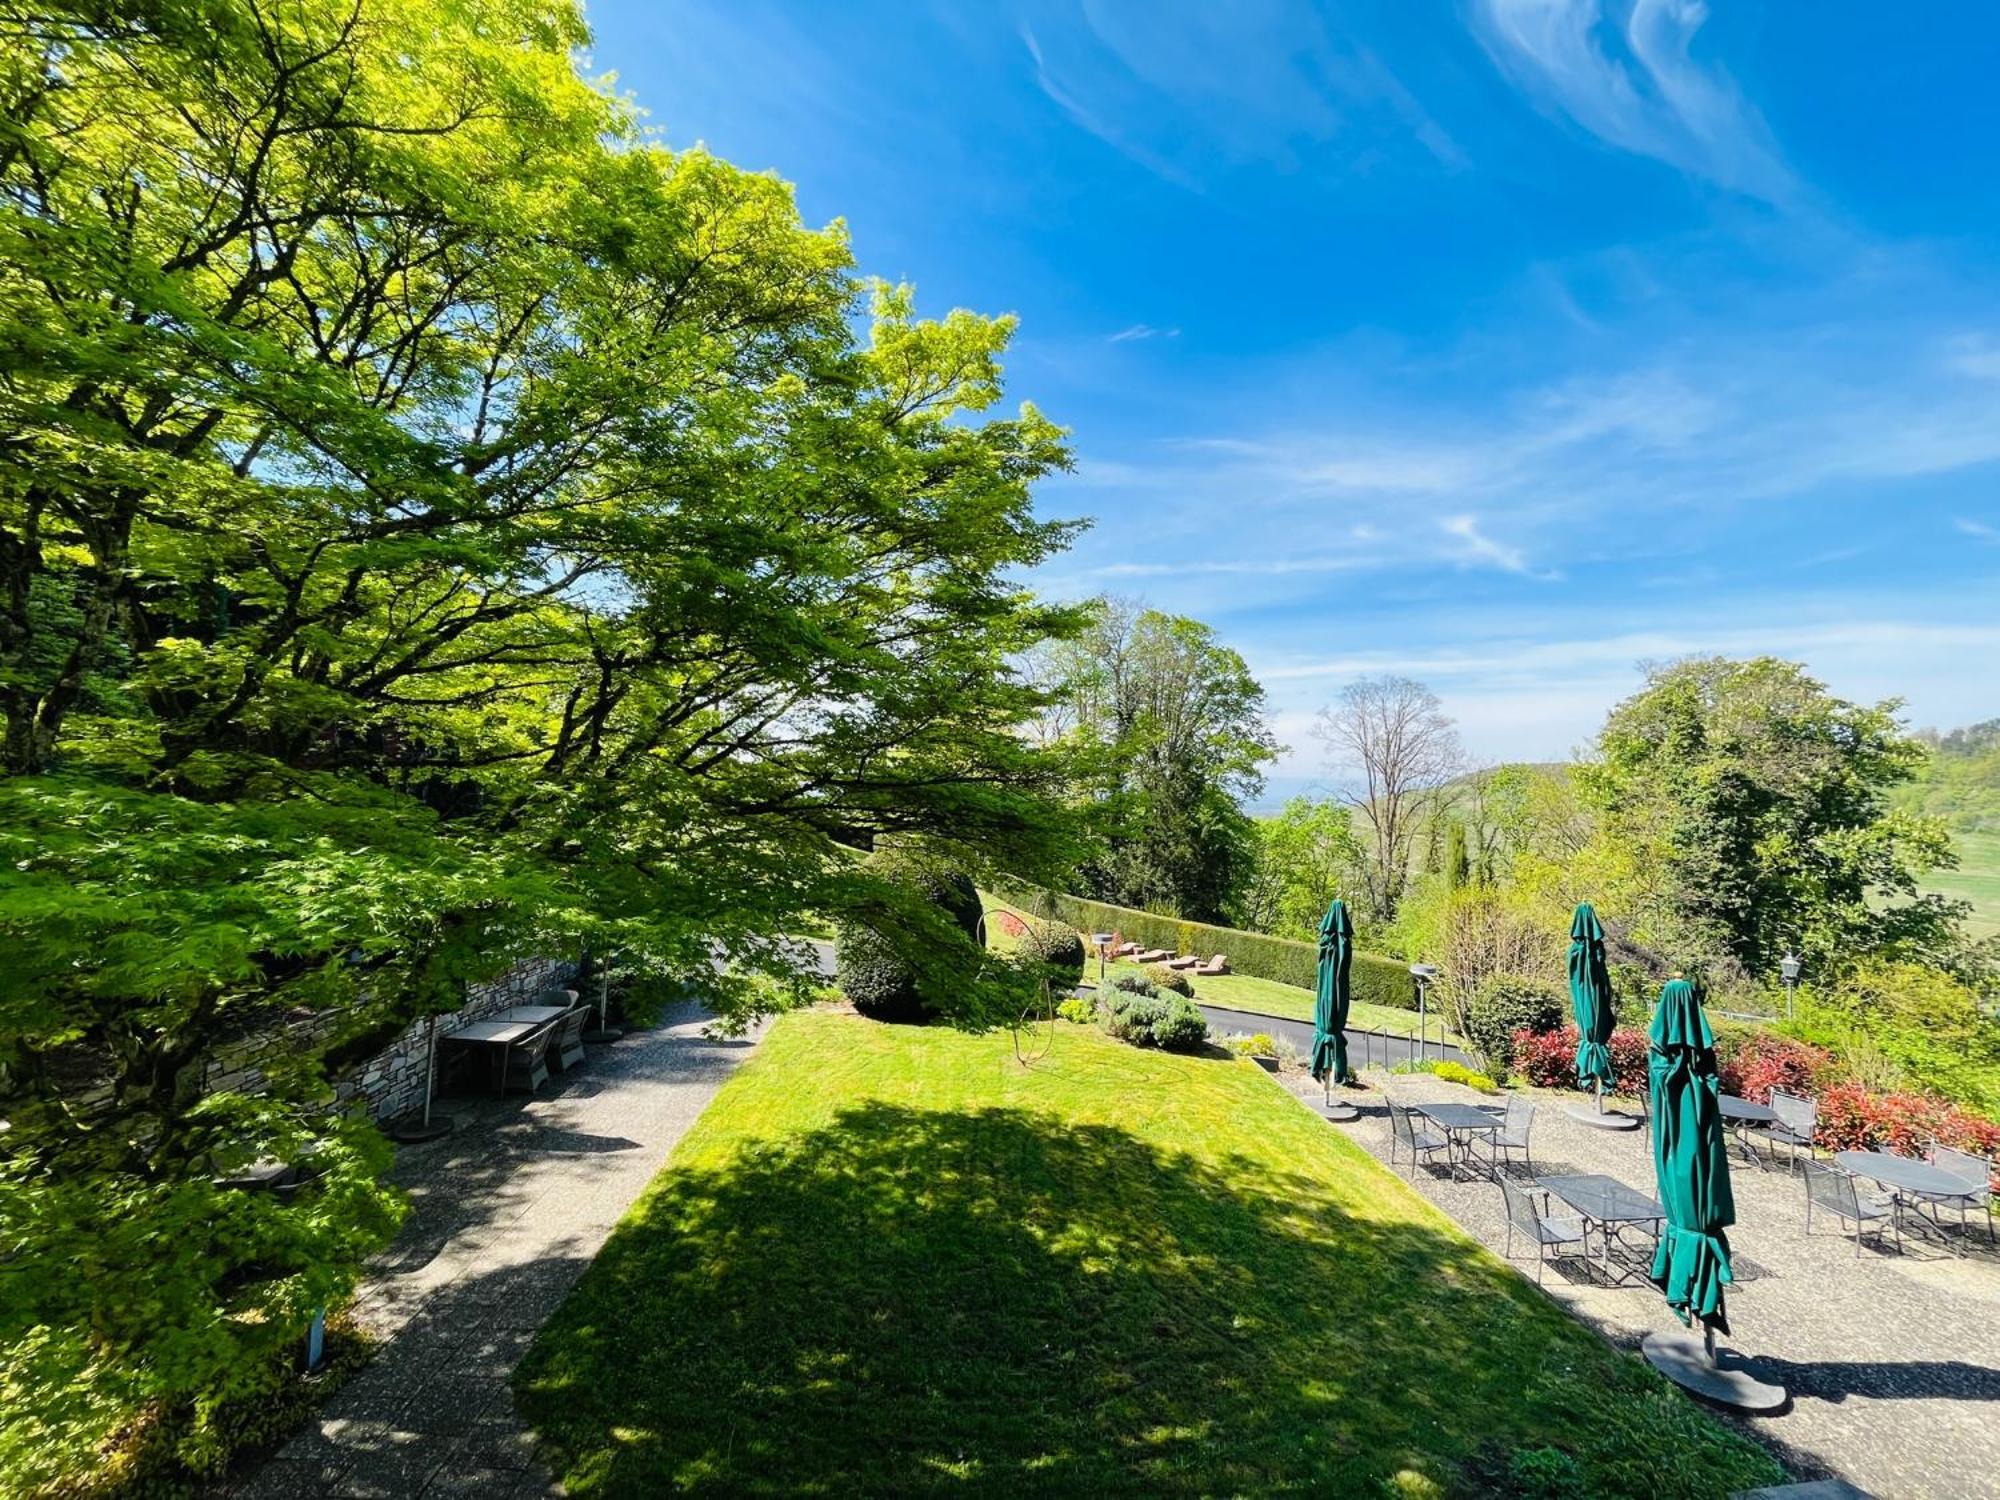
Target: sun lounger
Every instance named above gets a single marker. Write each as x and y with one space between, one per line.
1216 965
1185 961
1154 955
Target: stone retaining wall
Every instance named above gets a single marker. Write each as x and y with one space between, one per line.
392 1082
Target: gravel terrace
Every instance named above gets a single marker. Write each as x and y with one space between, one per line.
1893 1360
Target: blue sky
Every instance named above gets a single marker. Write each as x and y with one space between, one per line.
1501 344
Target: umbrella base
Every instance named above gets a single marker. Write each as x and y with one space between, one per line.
1727 1382
1605 1119
418 1131
1339 1110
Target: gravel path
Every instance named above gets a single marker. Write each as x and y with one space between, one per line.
1893 1360
506 1213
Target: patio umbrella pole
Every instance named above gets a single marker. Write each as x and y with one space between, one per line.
605 1032
426 1129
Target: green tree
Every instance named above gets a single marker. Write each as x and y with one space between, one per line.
1174 724
1306 855
1756 808
437 525
1457 859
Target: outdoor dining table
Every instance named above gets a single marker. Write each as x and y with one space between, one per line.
495 1037
534 1015
1460 1124
1608 1205
1903 1174
1742 1114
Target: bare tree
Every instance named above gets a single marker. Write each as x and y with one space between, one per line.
1394 732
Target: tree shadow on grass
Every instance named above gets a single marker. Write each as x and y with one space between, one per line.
1003 1302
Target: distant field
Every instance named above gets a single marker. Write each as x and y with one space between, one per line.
1977 879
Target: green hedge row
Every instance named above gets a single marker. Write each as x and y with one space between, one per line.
1375 979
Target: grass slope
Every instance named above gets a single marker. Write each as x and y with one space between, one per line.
1267 997
1977 879
892 1260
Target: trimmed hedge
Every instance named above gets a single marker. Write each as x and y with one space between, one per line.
1375 979
1057 946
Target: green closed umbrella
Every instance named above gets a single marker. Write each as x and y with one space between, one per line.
1692 1264
1590 1002
1336 958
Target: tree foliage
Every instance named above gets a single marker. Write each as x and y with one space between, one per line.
1756 808
1174 723
1306 855
437 524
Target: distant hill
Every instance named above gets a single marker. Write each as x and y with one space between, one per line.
1962 785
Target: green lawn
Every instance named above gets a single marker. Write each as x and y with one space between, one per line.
1977 879
1268 997
892 1260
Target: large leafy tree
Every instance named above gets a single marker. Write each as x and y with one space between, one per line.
1172 723
437 524
1754 808
1306 855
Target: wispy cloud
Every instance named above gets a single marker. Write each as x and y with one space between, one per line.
1142 331
1649 96
1083 115
1476 548
1980 529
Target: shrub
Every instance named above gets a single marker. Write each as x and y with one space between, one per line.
1257 1045
1078 1009
1547 1059
1057 947
1502 1006
869 967
1756 1062
1169 1021
1452 1072
1134 984
1164 978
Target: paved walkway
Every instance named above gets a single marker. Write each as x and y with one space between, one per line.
1893 1361
1364 1048
506 1213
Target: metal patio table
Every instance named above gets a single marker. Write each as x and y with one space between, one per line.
1608 1204
1903 1175
1460 1124
1741 1115
534 1015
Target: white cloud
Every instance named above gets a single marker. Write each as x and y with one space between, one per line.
1477 547
1652 98
1142 331
1979 529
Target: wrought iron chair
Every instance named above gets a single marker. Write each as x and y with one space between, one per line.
1978 1174
1542 1229
1832 1191
1798 1118
1421 1140
1517 1118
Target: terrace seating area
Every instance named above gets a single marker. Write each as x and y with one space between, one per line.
1873 1305
515 1050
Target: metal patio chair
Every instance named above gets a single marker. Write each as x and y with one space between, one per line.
1421 1141
1978 1174
1798 1118
1542 1229
1832 1191
1517 1118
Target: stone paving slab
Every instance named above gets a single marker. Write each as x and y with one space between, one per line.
507 1211
1893 1360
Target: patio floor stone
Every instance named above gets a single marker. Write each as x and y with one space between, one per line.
1892 1360
507 1211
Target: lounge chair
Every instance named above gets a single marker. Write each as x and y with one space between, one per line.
1421 1140
1512 1136
1832 1191
1798 1118
1185 961
567 1048
1125 950
528 1059
1216 965
1978 1174
1154 956
1545 1231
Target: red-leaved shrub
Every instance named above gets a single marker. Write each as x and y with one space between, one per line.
1764 1060
1852 1118
1547 1059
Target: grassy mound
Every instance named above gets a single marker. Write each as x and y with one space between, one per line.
896 1261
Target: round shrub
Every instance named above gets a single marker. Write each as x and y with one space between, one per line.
1502 1006
1078 1009
1058 948
1183 1028
870 972
1165 978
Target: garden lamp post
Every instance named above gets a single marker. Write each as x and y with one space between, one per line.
1102 941
1424 974
1788 969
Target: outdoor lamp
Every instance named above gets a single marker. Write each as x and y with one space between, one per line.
1424 974
1788 968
